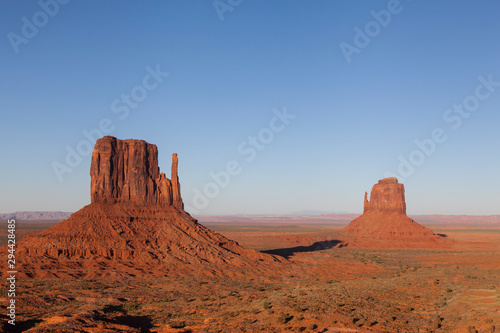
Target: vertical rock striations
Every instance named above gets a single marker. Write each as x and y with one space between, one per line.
386 196
127 171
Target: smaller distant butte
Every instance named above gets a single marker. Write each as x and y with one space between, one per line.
384 218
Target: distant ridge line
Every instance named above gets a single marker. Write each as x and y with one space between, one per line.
36 215
424 218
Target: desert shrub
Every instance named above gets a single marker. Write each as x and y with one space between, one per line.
284 318
313 327
298 308
471 329
436 323
178 325
266 305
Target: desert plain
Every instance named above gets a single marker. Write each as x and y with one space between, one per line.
331 282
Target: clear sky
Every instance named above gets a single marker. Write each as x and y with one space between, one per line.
354 83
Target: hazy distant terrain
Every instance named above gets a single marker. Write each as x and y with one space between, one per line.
33 215
457 219
305 216
344 219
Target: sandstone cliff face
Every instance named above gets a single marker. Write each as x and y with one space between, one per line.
127 171
386 196
384 217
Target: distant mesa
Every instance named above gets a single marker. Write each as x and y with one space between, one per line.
36 215
135 226
384 217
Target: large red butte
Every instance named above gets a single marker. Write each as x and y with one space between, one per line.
135 225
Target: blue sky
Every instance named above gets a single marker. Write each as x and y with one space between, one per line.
354 121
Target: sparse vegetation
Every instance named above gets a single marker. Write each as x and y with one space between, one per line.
284 318
347 297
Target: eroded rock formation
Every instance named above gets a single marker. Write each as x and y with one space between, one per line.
127 171
384 216
135 225
386 196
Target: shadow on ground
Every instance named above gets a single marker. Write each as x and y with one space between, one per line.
23 325
317 246
144 323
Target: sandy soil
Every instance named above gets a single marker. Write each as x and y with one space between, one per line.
329 285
